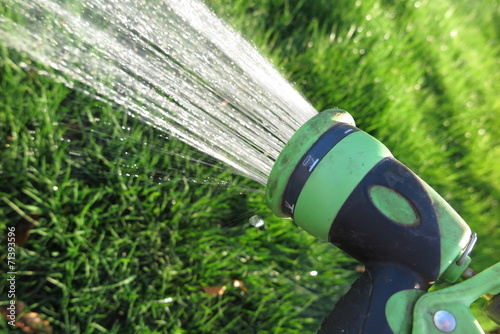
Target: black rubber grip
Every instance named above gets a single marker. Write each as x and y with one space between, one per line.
397 256
362 308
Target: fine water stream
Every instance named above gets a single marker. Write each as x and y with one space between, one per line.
171 63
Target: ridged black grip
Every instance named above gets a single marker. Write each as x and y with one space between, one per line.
362 308
397 256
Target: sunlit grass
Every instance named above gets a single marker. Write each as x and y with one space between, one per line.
129 231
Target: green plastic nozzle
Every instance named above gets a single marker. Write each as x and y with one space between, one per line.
294 150
344 186
347 156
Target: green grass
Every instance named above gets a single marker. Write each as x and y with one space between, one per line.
119 253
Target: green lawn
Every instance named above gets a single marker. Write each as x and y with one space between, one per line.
128 231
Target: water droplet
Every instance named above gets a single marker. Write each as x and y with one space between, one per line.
166 300
256 221
274 273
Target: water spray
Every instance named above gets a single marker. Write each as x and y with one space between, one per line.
344 186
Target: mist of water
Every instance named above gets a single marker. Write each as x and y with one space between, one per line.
171 63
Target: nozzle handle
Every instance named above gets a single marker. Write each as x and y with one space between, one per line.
363 308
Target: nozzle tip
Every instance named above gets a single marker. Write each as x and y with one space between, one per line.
297 146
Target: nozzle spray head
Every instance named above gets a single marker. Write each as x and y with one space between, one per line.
344 186
318 169
293 153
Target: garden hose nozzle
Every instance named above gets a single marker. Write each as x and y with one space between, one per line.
343 186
